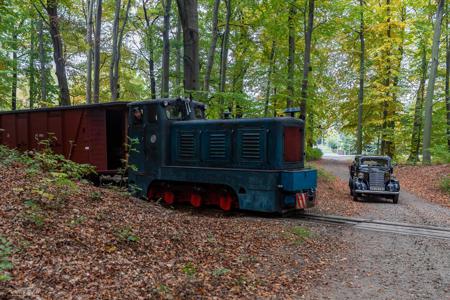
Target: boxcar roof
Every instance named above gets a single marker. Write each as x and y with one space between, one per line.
72 107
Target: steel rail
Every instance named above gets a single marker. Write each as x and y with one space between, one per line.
383 226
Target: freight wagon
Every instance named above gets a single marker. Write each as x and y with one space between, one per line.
177 155
93 134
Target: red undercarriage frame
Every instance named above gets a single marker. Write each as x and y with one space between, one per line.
197 195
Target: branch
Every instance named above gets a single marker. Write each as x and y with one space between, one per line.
40 14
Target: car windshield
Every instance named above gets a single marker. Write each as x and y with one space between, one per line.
374 162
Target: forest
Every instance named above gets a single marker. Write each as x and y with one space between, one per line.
376 71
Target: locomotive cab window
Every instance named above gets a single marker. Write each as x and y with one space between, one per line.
137 115
199 112
174 111
152 115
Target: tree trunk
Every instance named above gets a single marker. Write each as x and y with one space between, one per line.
386 141
116 49
224 56
97 36
115 37
89 54
31 81
178 62
58 52
166 50
212 47
149 45
362 57
14 72
307 60
42 63
431 83
188 12
417 125
291 62
269 75
447 77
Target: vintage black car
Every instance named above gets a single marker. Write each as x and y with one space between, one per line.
373 175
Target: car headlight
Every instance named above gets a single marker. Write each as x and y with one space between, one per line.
361 175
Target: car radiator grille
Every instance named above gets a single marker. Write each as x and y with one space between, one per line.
376 181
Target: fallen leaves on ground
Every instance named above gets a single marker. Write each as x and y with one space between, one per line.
424 181
99 243
334 198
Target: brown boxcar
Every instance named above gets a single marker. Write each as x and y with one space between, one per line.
93 134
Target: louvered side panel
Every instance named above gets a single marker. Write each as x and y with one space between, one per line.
186 145
251 146
217 146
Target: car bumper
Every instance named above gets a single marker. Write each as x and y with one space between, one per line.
376 192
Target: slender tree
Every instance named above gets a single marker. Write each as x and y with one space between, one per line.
89 52
447 75
291 61
178 54
269 75
149 46
224 55
31 68
212 46
188 12
58 52
118 33
97 41
418 109
431 84
42 62
166 50
14 70
362 57
307 60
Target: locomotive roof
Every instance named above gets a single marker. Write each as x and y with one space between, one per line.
162 100
71 107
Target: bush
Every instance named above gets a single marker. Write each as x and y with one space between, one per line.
440 154
313 154
5 262
445 184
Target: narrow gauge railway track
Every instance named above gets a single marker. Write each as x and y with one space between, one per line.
383 226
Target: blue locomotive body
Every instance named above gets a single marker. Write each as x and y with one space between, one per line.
250 164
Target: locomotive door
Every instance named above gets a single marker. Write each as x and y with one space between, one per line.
136 140
151 138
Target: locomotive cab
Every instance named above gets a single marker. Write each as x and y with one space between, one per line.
251 164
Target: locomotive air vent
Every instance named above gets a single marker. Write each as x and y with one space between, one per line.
187 145
251 146
217 146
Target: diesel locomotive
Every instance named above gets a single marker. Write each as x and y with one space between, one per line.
177 155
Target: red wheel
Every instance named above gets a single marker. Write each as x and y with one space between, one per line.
169 198
196 200
226 202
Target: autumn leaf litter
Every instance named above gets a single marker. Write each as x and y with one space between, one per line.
101 243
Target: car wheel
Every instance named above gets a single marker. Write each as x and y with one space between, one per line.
395 199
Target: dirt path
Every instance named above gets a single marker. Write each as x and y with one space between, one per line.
389 266
410 208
